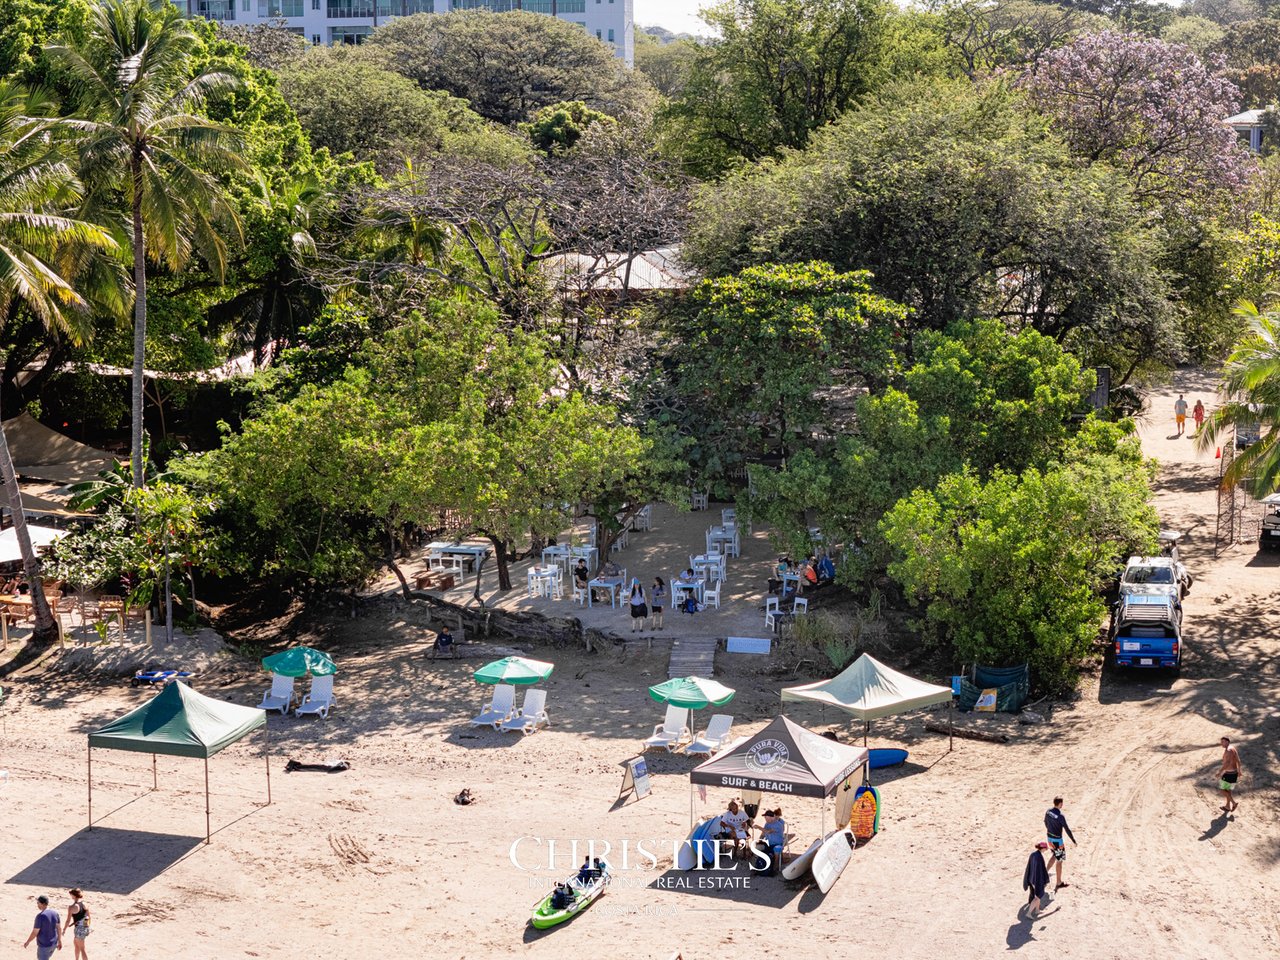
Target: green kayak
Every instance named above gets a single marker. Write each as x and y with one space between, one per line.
571 897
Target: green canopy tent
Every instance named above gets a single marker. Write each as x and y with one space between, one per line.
300 662
179 722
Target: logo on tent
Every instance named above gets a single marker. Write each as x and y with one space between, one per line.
767 756
820 747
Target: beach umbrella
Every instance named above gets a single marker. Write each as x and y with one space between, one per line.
516 670
696 693
299 662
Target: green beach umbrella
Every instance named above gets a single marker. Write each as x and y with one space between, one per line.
300 661
517 670
696 693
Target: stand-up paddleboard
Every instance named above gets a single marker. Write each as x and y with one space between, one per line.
887 757
686 859
832 857
700 842
844 803
865 821
800 865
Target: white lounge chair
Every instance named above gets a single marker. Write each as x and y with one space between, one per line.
319 700
280 696
672 731
714 737
532 714
499 708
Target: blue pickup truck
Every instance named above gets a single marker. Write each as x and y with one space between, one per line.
1147 632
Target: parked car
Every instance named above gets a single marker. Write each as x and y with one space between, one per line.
1165 574
1269 535
1147 632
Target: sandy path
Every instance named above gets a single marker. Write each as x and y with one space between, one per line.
379 859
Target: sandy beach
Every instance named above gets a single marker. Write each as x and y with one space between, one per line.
379 859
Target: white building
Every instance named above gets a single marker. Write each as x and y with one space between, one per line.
1248 127
350 21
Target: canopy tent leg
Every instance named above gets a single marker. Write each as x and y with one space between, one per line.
951 729
90 750
208 831
266 756
866 728
155 783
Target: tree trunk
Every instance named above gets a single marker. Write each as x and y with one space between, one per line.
46 630
139 327
500 555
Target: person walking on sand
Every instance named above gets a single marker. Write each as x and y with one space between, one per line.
1055 825
1035 878
1197 414
1229 775
657 601
639 610
78 915
47 932
1180 414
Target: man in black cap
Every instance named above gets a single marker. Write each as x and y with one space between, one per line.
47 931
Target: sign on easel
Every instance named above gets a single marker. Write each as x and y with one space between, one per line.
635 778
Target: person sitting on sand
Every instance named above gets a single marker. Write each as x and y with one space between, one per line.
444 646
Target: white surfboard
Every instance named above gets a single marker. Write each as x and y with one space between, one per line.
797 867
832 857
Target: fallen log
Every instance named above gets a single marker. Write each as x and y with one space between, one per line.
964 732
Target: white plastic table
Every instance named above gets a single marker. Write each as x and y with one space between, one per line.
612 584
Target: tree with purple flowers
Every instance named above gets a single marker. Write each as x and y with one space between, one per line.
1153 109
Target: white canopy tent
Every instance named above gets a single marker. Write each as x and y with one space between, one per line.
869 690
40 537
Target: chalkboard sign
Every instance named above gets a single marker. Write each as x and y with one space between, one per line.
635 778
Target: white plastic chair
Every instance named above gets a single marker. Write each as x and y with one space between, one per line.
319 700
714 737
280 696
672 731
770 612
531 715
499 708
800 606
710 596
580 595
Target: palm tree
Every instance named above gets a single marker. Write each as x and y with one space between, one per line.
135 84
280 296
1251 383
37 242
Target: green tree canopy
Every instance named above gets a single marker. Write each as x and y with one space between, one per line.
779 70
1009 570
961 203
508 65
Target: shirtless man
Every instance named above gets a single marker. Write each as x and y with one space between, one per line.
1229 775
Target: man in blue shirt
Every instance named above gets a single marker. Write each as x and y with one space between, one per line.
47 931
1055 824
